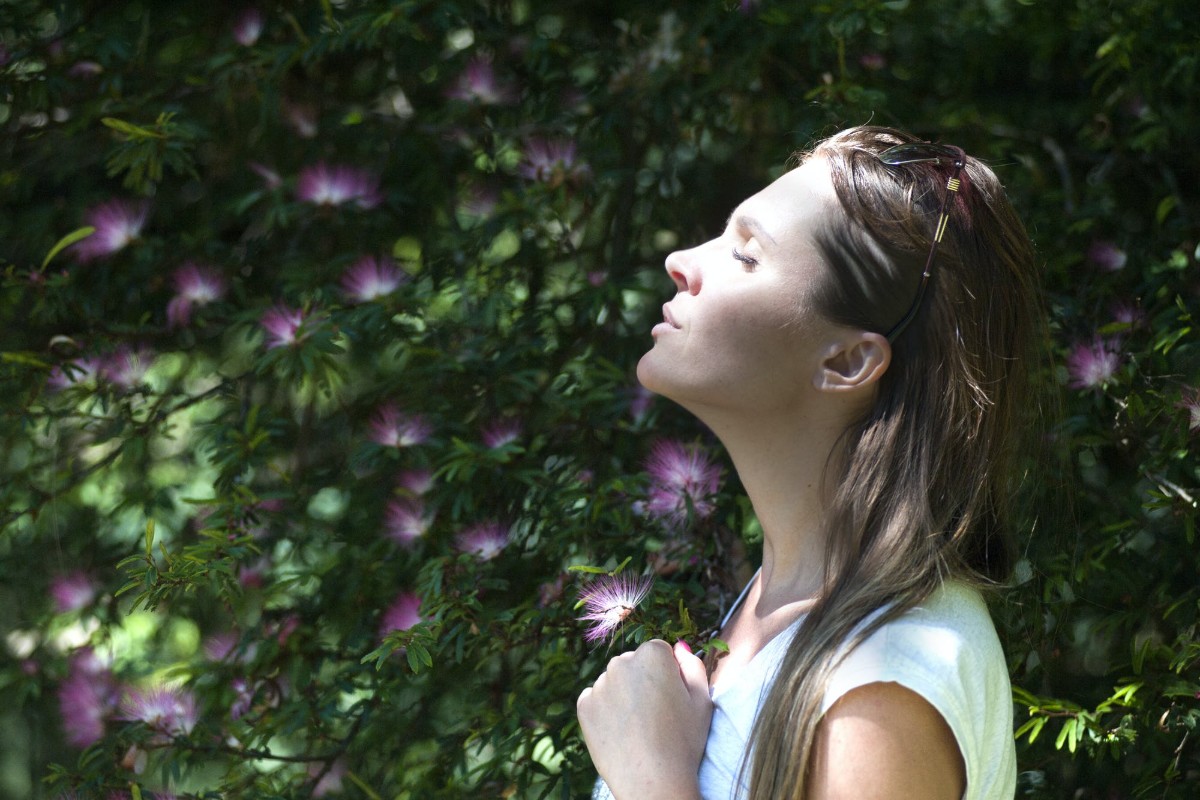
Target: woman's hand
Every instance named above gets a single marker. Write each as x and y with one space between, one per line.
645 721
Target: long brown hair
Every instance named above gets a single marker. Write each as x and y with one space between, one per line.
920 486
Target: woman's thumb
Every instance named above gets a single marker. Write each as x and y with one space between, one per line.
691 669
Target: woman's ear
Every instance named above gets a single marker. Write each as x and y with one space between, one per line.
856 361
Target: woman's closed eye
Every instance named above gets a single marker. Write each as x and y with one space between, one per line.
750 263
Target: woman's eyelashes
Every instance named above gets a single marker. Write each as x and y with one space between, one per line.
750 263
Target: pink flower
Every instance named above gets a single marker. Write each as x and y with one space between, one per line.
324 185
85 69
872 61
402 614
283 325
415 481
392 428
478 84
117 223
505 430
1189 401
79 371
168 711
680 477
1127 313
243 697
270 177
219 646
407 520
608 601
195 285
551 161
86 700
485 540
371 278
248 27
1092 364
478 202
127 367
302 118
1106 256
72 591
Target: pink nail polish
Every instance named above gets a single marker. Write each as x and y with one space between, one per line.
684 645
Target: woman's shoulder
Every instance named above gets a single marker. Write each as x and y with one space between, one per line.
946 643
946 651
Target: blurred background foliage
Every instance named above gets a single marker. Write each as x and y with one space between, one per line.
300 445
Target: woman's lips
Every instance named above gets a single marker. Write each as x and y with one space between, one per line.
669 318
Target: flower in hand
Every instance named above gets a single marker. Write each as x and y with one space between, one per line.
609 601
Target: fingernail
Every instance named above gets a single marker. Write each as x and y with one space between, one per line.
684 645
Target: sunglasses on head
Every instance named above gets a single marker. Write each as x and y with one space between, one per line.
916 153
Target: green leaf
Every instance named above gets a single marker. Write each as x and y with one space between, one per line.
71 238
1067 729
130 130
1033 727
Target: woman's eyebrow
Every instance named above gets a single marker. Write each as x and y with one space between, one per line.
751 224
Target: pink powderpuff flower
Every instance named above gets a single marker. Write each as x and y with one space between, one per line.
680 476
127 367
117 223
872 61
270 177
195 285
478 202
1092 364
500 432
243 697
551 161
392 428
166 710
79 371
253 575
415 481
478 84
302 118
219 646
324 185
283 326
371 278
402 614
1189 401
86 700
85 69
484 541
1127 313
72 591
407 520
248 27
608 601
1106 256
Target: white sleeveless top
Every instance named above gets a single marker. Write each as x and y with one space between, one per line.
946 650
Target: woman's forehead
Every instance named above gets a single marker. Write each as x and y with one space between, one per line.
792 203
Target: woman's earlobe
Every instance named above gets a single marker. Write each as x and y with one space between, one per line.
856 362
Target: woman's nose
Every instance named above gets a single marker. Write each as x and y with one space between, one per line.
681 266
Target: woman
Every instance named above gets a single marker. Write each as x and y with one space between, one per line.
859 339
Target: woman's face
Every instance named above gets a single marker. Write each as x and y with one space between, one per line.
742 332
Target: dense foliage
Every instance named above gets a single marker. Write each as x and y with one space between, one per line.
318 413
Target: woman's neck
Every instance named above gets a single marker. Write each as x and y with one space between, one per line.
782 463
